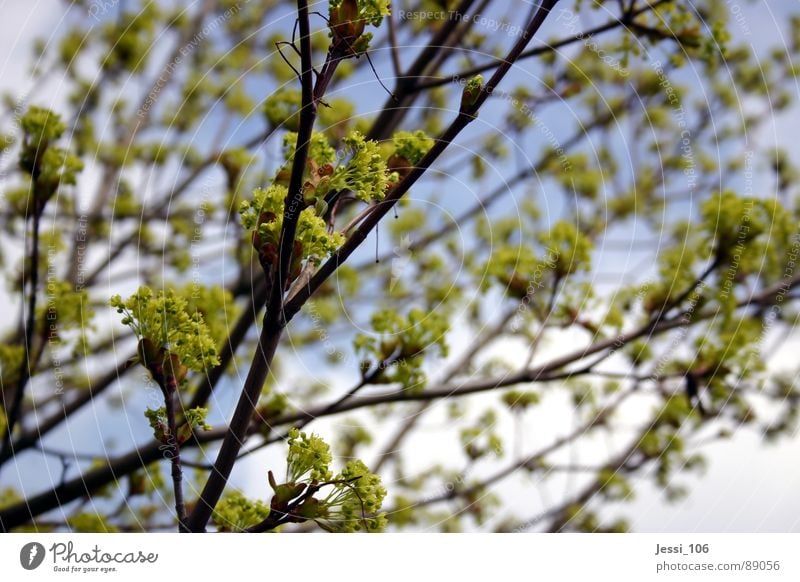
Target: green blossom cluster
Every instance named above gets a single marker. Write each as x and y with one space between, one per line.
195 419
742 237
354 498
164 320
411 146
578 518
749 233
41 126
320 151
482 439
518 270
613 486
365 174
676 274
580 177
215 304
235 512
354 502
664 444
518 400
48 166
524 274
399 343
65 309
60 167
352 436
270 406
571 249
373 11
130 37
347 20
309 457
264 215
282 108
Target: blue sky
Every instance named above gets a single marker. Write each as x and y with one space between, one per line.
747 488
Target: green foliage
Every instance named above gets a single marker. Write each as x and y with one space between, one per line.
397 348
750 235
282 108
264 215
352 437
60 167
337 118
216 306
158 422
48 166
90 523
482 439
614 486
6 141
348 18
411 146
130 37
11 359
373 11
550 183
518 400
309 457
471 91
518 270
365 174
347 502
41 126
320 151
579 518
355 501
269 407
571 248
8 497
235 512
164 319
66 309
194 420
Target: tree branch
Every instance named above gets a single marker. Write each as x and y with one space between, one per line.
273 324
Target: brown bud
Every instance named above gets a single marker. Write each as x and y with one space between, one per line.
346 25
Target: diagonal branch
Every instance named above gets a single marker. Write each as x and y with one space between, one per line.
273 324
464 118
23 512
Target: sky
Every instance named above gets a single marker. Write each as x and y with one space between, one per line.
747 487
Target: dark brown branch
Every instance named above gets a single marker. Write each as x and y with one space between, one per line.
29 361
174 452
273 324
464 118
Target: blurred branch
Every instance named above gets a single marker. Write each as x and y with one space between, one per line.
625 20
